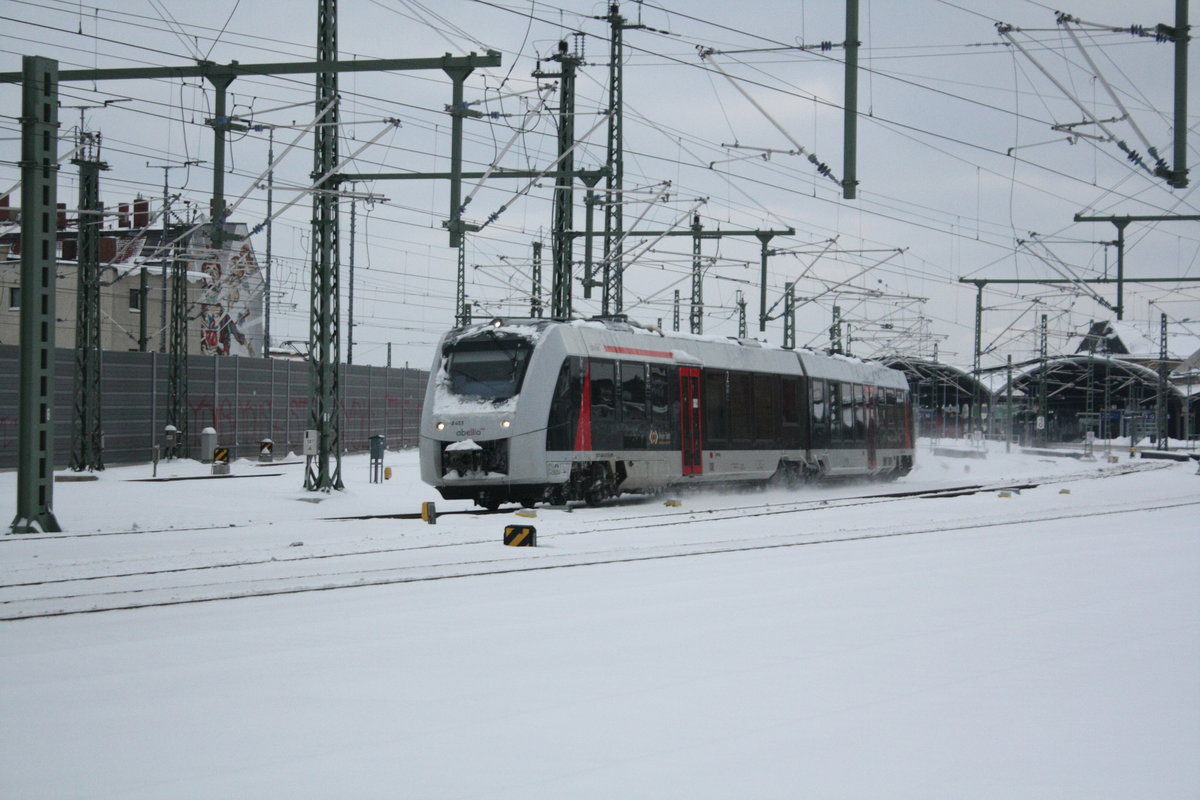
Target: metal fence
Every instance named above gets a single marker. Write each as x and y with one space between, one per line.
246 400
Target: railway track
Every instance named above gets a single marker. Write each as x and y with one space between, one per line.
425 561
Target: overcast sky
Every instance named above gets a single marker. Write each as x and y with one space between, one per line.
961 174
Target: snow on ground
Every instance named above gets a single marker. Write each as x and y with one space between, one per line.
764 644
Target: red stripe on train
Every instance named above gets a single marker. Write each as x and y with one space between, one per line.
583 429
637 351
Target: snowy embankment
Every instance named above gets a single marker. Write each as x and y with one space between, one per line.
830 642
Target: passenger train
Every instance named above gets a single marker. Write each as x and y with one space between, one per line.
532 410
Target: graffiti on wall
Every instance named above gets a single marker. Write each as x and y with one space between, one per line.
231 303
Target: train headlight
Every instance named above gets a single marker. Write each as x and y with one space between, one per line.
441 426
505 423
497 322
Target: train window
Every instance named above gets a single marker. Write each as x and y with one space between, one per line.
860 413
820 414
603 390
716 429
659 396
490 369
564 406
606 432
766 408
847 416
789 408
741 406
633 392
791 396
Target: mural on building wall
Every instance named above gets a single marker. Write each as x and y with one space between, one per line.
231 303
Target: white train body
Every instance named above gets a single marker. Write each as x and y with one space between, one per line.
529 410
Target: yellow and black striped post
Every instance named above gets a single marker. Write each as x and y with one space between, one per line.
520 536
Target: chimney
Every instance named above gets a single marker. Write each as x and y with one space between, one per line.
141 213
123 216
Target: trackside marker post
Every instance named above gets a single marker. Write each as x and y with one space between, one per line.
520 536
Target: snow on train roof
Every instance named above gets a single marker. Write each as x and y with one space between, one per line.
690 348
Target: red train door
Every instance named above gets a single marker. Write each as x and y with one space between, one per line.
689 419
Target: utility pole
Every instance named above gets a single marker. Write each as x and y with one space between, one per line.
270 221
589 266
39 196
462 315
975 398
1160 404
88 440
696 317
350 299
675 313
324 345
850 113
177 373
765 238
166 237
1090 405
1043 423
1008 408
741 307
835 332
789 316
614 220
560 282
535 292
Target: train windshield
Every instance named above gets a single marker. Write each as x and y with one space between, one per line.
490 369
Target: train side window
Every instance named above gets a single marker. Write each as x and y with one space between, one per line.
818 402
659 397
633 392
766 408
741 407
564 410
847 399
606 430
833 395
716 428
790 414
820 414
860 413
603 390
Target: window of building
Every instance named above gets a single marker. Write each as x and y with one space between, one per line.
14 297
135 300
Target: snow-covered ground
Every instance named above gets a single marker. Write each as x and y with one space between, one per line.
833 642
